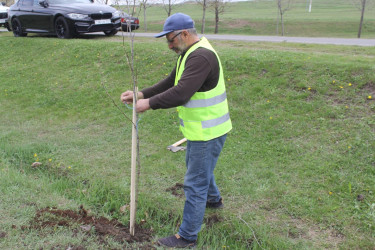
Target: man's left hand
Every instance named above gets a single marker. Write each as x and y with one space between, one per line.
142 105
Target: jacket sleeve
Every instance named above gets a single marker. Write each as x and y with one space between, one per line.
197 68
161 86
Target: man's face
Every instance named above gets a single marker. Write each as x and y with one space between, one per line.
176 43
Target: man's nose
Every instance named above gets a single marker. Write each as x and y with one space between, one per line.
170 45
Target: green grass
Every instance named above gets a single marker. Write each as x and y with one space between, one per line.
334 18
301 149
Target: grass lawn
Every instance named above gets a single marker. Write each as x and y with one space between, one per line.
334 18
297 170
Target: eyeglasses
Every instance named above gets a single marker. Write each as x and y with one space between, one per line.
172 39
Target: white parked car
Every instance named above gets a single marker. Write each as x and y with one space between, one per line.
4 16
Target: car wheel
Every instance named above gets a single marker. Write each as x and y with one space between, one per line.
110 32
62 28
17 28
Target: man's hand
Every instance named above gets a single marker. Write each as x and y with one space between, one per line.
142 105
127 96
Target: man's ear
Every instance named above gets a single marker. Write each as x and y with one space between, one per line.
185 33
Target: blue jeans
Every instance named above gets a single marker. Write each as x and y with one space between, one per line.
199 183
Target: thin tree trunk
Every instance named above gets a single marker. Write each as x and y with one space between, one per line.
216 20
362 15
277 24
279 15
282 24
204 16
144 17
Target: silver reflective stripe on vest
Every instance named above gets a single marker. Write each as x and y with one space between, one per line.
202 103
216 121
213 122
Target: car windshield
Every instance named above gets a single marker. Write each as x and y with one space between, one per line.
68 1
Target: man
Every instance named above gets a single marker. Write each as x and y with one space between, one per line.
196 87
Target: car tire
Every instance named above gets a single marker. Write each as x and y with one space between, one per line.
62 29
17 28
110 32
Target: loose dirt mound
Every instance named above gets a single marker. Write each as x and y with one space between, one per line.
213 219
102 227
177 190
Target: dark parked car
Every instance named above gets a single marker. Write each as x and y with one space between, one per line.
4 16
64 18
129 23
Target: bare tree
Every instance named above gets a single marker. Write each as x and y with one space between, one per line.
168 6
361 5
282 7
204 5
219 8
144 4
135 158
103 1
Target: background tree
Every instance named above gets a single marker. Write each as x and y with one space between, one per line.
282 7
218 7
204 5
361 5
168 5
144 4
104 1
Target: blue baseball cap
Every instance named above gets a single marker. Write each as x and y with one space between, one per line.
178 21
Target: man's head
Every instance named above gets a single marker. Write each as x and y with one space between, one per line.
179 31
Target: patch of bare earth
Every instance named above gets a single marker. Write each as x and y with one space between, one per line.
315 234
99 226
294 228
369 89
300 229
212 220
177 190
239 24
3 234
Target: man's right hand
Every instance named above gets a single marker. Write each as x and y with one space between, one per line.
127 96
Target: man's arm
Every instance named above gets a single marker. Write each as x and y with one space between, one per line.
197 69
161 86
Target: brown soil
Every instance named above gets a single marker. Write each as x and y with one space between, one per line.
177 190
370 86
101 227
3 234
212 219
369 90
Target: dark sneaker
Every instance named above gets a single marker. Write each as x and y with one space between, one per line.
176 241
215 205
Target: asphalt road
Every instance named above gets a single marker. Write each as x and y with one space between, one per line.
276 39
307 40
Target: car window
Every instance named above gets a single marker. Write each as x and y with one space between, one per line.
36 2
27 2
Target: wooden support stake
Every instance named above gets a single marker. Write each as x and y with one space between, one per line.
133 184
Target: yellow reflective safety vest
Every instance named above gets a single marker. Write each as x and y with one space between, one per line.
205 116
